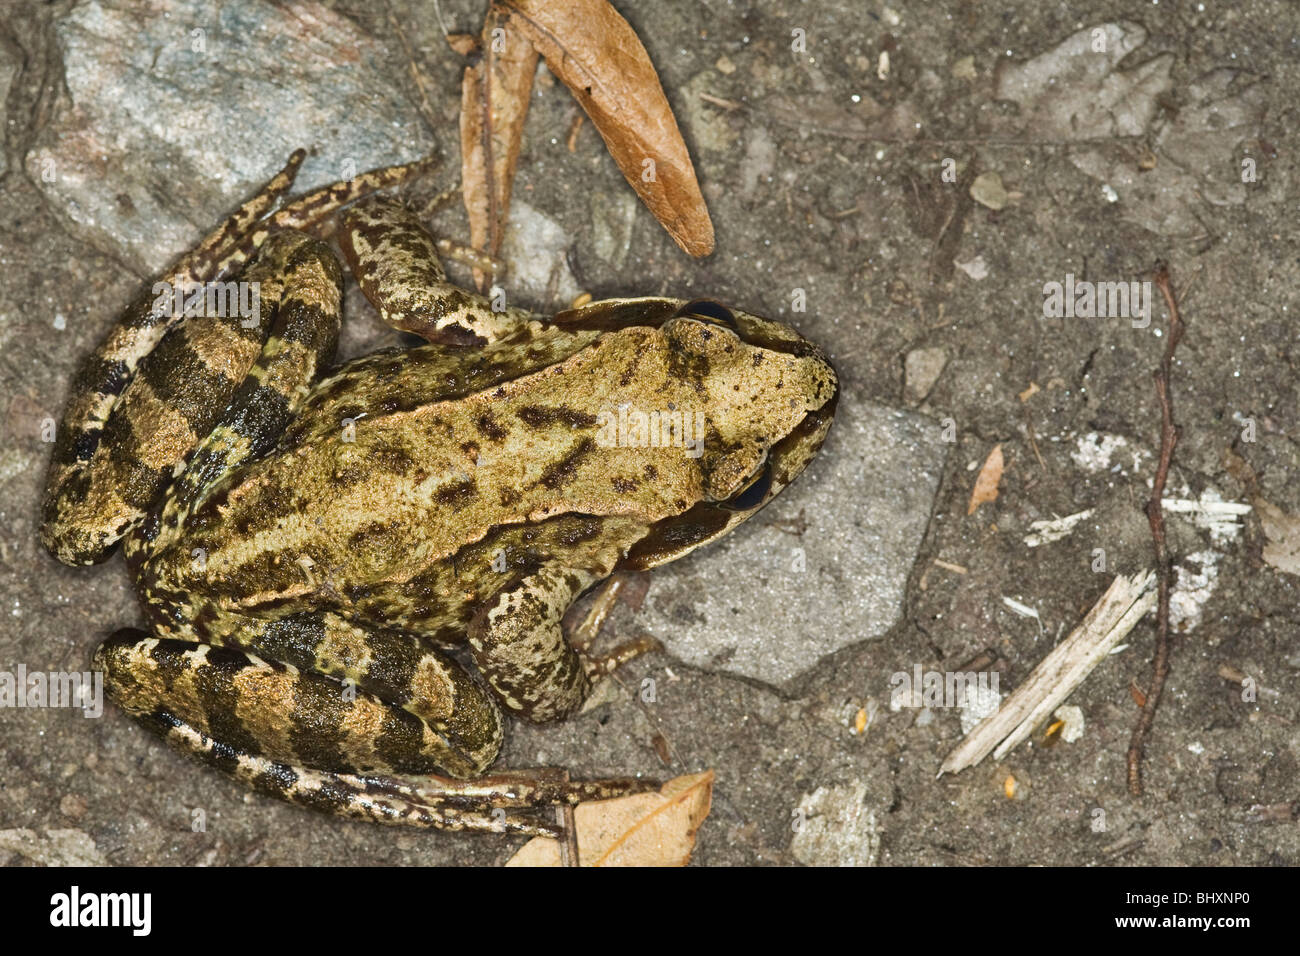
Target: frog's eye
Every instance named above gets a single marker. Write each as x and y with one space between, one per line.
754 494
707 309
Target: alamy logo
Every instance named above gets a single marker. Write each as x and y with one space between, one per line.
213 299
633 428
940 688
75 908
84 689
1098 300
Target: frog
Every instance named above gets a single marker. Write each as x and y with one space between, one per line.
351 574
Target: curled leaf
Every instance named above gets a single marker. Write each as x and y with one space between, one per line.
494 102
644 829
598 56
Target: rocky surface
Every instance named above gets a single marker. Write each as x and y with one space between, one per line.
836 178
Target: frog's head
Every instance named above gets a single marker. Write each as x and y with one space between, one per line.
767 394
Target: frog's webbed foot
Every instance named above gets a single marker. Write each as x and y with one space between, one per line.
520 646
585 634
314 742
395 261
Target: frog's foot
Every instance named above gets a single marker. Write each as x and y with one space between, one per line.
395 261
618 656
520 647
585 634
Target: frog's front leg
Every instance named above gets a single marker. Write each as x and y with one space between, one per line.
395 261
520 646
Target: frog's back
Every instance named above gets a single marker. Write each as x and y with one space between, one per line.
417 509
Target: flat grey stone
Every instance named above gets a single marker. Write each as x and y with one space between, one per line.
169 122
835 827
768 602
921 369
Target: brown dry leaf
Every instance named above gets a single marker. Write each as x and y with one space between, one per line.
986 484
494 102
465 44
1135 692
598 56
644 829
1282 531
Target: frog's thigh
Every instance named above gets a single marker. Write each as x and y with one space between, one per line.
251 707
169 407
396 668
107 467
519 645
395 261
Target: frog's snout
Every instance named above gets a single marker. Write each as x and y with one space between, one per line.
823 387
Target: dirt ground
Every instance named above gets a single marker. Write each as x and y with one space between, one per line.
920 171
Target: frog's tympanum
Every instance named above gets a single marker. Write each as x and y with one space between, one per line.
318 551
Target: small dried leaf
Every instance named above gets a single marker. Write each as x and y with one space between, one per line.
644 829
986 484
1135 692
494 103
598 56
1282 534
1053 733
463 43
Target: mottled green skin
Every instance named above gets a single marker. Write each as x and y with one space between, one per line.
325 540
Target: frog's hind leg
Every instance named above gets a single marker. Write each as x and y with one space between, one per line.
303 333
316 743
86 479
103 473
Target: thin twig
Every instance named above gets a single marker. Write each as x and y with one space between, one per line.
426 111
569 843
1156 516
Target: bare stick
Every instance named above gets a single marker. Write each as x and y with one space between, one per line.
1058 674
1156 517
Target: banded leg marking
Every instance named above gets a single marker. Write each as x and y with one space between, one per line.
267 709
395 261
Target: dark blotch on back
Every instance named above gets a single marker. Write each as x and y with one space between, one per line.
488 427
561 473
457 495
539 416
